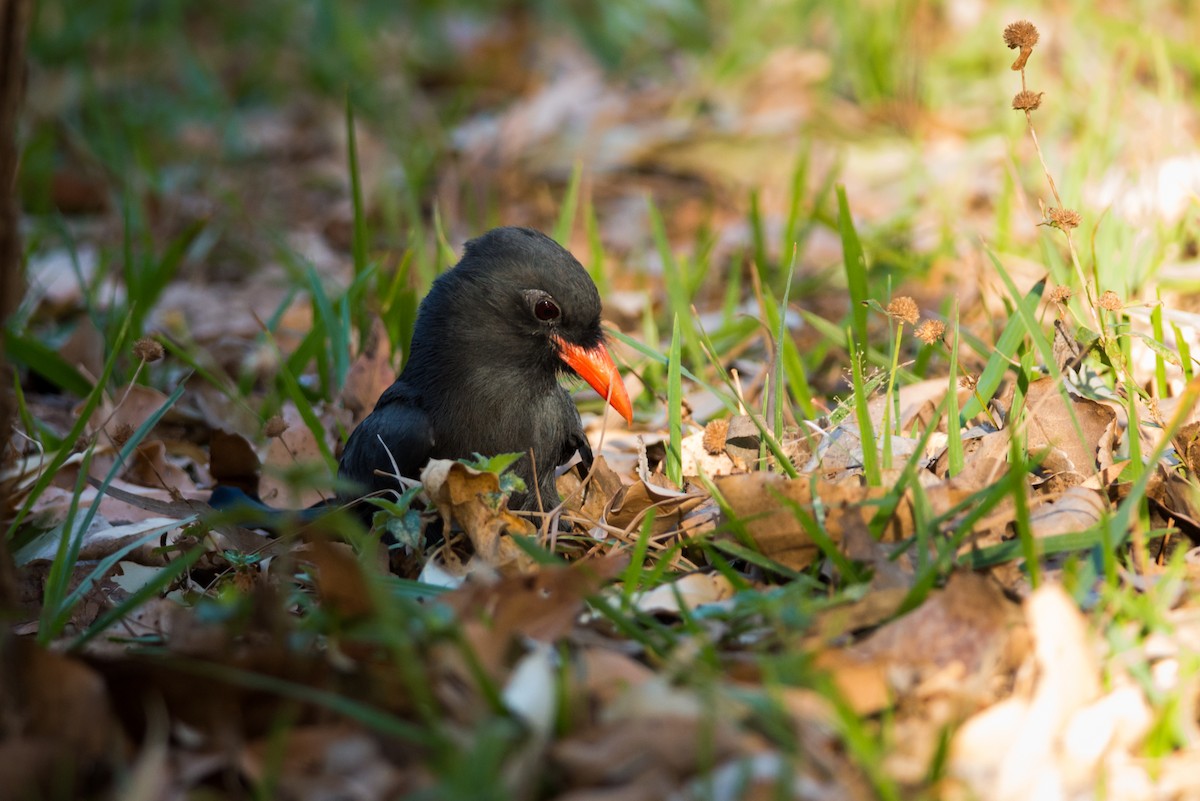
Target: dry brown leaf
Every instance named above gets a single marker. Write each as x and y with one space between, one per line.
233 461
970 623
1187 446
117 419
602 674
1050 426
543 605
101 540
316 763
1178 500
118 505
694 589
472 498
764 503
1077 509
59 716
295 448
589 502
631 503
1050 740
985 459
84 349
914 401
150 467
341 583
370 374
622 751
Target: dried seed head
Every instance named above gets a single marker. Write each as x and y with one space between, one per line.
1060 294
931 331
1022 34
1027 101
968 381
122 434
275 427
904 309
714 435
1063 218
148 350
1110 301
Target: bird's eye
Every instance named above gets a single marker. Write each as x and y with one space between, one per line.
546 310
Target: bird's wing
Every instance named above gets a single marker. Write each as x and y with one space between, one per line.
396 433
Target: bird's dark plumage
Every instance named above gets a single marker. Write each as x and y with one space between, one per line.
491 339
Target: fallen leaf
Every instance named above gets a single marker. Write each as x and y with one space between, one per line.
370 374
692 590
1014 749
970 623
1051 427
472 498
1077 509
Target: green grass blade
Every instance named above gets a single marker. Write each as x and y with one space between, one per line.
674 463
866 431
1004 353
359 234
55 591
90 403
954 443
570 203
856 269
36 356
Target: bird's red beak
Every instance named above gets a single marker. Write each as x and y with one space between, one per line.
595 366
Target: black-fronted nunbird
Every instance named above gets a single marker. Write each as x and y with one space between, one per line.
492 338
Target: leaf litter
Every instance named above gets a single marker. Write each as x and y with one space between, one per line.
769 624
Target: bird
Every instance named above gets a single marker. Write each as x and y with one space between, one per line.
493 337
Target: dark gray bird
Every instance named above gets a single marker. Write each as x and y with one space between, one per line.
492 338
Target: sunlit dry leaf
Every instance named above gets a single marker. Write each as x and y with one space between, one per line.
1014 748
915 401
696 458
693 590
590 502
472 498
970 622
1050 426
1077 509
842 449
985 459
764 503
631 503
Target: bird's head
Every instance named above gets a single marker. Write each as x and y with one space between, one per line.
527 301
